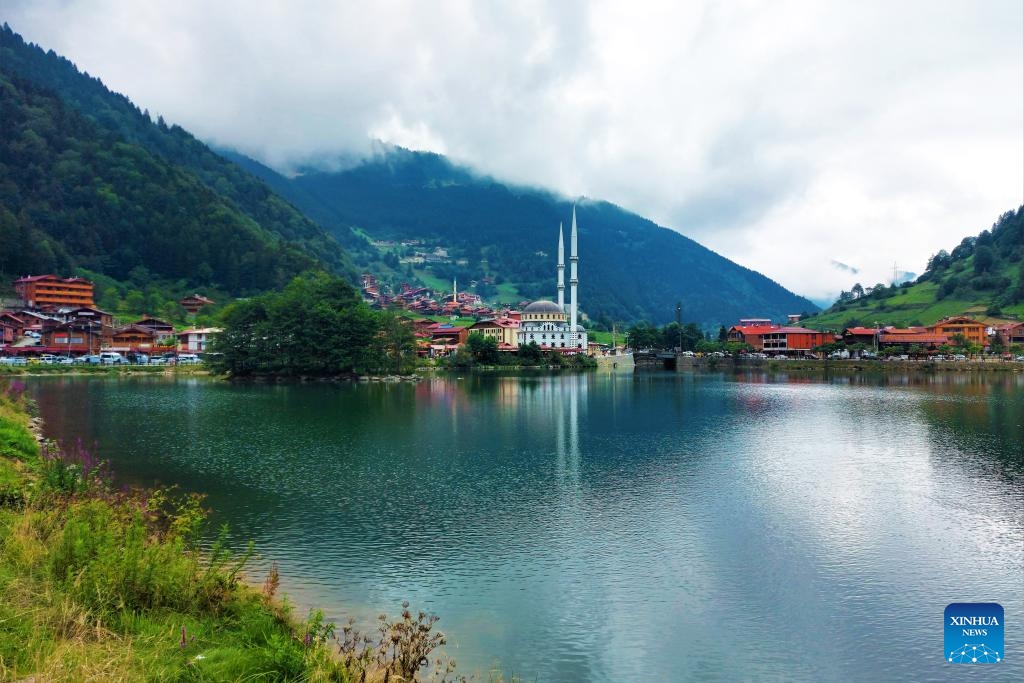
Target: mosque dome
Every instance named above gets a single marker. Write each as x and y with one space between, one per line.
543 307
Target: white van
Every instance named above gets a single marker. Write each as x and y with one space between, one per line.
111 358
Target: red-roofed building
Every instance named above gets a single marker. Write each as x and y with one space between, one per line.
11 327
772 338
49 291
906 338
504 330
448 334
1011 333
974 331
860 335
193 303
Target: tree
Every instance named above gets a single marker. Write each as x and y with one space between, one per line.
530 354
484 349
857 291
984 259
317 326
395 344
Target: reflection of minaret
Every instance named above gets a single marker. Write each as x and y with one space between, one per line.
573 258
574 430
561 270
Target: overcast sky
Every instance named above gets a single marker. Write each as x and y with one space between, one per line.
817 142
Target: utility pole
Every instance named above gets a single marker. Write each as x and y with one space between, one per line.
679 323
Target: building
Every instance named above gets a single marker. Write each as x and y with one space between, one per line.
764 335
133 338
546 323
861 335
911 336
197 340
974 331
75 337
11 328
1011 334
160 327
193 303
49 291
504 330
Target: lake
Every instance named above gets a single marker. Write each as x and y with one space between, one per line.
610 527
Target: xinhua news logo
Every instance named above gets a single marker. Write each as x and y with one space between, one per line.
974 633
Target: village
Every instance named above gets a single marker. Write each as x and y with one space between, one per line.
55 320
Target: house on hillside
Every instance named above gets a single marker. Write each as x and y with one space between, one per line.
1011 334
11 327
193 303
49 291
975 332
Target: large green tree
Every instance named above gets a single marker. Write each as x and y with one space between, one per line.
317 326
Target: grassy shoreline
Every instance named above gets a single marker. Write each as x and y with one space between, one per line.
98 583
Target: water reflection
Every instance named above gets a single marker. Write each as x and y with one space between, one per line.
609 526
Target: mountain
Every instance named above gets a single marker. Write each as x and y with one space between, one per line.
87 180
630 268
983 277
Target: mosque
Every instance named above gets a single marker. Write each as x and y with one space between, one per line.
544 322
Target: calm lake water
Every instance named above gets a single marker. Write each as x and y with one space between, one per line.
611 527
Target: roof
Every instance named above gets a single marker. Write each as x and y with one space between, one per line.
958 320
495 322
134 327
51 276
543 306
913 338
775 329
200 330
860 331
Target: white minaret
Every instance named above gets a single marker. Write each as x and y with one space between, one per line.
561 270
573 258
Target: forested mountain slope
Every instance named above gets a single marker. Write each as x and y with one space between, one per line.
630 268
983 276
70 124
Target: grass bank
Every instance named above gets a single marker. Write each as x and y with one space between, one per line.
104 584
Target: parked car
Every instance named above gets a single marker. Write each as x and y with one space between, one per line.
959 356
12 360
112 358
158 360
868 355
66 360
188 359
88 360
1020 358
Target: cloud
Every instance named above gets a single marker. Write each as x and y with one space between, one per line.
779 134
845 268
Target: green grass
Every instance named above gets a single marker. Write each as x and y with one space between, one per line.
98 585
508 292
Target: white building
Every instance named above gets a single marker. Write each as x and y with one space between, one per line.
546 322
196 340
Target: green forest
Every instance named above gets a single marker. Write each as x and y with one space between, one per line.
91 185
630 268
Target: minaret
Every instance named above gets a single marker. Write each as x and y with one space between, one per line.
561 270
455 290
573 258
